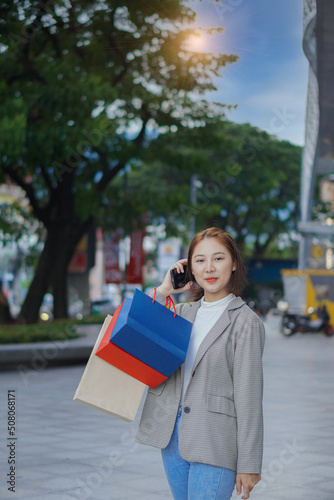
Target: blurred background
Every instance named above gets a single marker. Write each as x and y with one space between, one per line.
126 127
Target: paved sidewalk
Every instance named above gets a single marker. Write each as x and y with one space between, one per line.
66 451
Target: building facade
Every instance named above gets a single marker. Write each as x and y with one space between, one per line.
318 153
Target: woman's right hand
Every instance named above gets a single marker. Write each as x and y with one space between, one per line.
166 287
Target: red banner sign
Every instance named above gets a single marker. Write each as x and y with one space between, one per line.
134 271
78 263
113 274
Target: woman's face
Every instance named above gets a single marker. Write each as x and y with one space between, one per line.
212 266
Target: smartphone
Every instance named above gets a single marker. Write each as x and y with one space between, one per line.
179 280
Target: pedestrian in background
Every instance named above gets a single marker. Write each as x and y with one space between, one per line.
207 416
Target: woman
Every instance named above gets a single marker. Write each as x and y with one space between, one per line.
207 417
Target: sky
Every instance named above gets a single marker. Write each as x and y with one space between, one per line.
269 81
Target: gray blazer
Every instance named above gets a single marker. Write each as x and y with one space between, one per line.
222 422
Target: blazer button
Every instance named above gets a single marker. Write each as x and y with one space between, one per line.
187 409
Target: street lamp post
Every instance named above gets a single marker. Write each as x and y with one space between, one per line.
195 184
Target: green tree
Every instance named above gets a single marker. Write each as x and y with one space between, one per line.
82 83
249 183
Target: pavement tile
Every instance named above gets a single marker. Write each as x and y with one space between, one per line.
24 492
57 482
65 467
54 496
27 474
290 493
67 451
327 486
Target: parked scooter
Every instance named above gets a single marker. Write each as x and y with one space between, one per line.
292 323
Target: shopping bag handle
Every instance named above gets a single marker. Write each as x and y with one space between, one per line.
169 302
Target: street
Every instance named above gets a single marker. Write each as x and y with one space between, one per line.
63 450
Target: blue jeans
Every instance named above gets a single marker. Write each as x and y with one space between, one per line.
192 480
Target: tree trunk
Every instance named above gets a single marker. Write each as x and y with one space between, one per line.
70 237
40 283
5 315
66 248
51 272
59 289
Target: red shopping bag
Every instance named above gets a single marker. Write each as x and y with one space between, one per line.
124 361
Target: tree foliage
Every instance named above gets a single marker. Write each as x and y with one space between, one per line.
82 84
249 182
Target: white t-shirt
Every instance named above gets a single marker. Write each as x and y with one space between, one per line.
207 315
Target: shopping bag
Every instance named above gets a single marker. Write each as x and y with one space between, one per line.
108 389
151 333
125 361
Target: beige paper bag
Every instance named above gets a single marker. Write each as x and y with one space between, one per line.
108 389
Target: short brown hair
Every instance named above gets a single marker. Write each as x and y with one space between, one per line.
238 278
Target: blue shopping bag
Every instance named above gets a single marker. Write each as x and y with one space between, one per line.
151 333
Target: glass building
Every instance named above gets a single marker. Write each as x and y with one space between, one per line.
318 152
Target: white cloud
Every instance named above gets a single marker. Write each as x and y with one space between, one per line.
276 104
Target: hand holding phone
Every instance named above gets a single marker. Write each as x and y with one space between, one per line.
179 280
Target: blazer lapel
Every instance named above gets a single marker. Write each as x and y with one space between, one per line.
192 311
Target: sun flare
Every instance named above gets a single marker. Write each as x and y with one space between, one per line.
196 42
